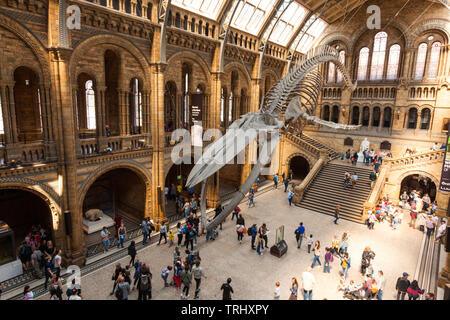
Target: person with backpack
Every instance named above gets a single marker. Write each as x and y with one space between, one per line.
177 274
227 290
275 181
145 230
236 212
327 260
300 234
345 264
165 274
367 256
186 278
286 184
25 253
144 283
162 233
252 232
402 286
290 197
179 234
190 233
414 291
122 289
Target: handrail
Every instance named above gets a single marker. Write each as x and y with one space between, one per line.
306 145
374 195
412 159
300 190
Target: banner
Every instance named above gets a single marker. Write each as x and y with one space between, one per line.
196 119
445 175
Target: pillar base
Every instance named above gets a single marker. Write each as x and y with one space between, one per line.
77 258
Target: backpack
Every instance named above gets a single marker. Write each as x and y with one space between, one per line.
144 282
191 233
119 293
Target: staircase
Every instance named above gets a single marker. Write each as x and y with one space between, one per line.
326 191
332 153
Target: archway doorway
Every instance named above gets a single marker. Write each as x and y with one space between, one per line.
24 212
176 180
299 167
420 183
117 192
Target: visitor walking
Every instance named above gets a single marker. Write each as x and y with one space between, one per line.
253 232
265 232
354 179
328 258
276 293
186 278
115 276
373 178
337 213
260 240
144 283
308 282
429 224
345 264
251 200
286 184
179 234
300 234
367 256
162 233
317 254
290 197
442 230
275 181
145 230
381 282
240 232
293 289
309 242
197 273
227 290
236 212
132 252
402 286
122 290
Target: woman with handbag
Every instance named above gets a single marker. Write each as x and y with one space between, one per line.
294 289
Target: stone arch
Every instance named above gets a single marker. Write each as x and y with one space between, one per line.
339 36
238 66
116 41
427 25
48 195
308 158
139 169
411 172
194 59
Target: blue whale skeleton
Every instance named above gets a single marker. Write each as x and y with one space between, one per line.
295 96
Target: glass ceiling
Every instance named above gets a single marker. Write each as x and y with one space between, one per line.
251 15
208 8
306 38
289 22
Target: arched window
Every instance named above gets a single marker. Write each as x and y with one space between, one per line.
335 116
387 117
376 117
200 27
412 118
170 97
230 107
355 116
136 106
222 106
116 4
90 105
426 119
186 70
331 71
139 9
127 6
362 63
394 57
193 25
341 60
177 20
379 51
434 60
420 62
185 22
366 116
326 113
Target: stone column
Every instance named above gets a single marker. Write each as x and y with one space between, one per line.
67 162
444 275
370 118
380 125
6 116
12 110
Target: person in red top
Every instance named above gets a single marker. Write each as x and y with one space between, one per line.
414 291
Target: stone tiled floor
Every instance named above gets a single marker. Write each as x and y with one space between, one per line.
254 276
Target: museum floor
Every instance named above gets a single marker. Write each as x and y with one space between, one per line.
254 276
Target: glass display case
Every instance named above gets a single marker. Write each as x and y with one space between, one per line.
7 244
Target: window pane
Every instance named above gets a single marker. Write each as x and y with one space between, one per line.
206 8
331 69
394 57
90 105
420 63
379 50
288 23
363 62
342 60
434 60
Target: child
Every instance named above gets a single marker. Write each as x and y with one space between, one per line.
277 291
309 242
171 237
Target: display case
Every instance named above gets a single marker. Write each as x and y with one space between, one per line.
7 244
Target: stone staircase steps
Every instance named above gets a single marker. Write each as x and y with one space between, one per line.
327 190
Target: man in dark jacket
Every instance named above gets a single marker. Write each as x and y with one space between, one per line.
253 231
402 286
145 283
227 290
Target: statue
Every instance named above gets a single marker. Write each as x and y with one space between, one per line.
93 214
365 144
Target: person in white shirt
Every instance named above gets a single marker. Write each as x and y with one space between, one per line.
381 281
74 295
308 282
276 293
441 230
